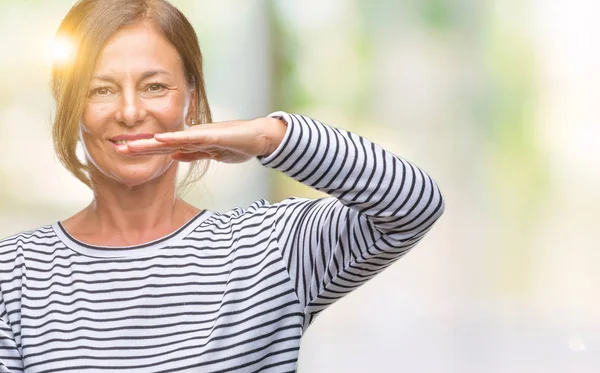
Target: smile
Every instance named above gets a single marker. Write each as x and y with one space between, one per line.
124 139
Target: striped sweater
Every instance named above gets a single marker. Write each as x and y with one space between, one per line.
227 292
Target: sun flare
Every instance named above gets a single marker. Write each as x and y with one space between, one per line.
62 50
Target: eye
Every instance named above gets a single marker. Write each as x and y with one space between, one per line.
155 87
100 91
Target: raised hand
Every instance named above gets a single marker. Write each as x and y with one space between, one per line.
230 142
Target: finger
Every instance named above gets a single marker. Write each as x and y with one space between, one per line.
181 137
156 152
147 144
190 157
171 149
123 149
187 150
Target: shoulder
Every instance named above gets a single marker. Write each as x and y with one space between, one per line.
38 235
16 253
262 212
258 210
35 240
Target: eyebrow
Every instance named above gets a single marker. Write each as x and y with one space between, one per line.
150 73
145 75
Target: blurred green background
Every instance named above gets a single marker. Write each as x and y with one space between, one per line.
496 99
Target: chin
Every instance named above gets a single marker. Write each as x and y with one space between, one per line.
133 175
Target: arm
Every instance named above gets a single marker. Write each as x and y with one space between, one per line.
10 358
383 206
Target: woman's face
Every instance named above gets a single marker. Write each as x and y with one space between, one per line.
138 89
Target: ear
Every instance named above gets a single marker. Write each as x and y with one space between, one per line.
192 109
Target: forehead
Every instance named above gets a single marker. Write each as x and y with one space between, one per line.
137 48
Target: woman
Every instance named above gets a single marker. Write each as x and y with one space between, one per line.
139 280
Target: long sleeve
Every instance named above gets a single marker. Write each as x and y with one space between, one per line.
10 358
381 206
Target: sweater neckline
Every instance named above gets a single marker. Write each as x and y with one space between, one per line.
132 250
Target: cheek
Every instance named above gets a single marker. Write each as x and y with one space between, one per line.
95 116
93 129
169 111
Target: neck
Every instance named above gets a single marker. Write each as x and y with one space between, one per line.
129 215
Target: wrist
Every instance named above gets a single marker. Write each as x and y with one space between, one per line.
275 130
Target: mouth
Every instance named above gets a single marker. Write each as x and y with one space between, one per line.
124 139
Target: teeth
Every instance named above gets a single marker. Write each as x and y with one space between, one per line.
121 142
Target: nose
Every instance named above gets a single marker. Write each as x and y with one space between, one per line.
131 110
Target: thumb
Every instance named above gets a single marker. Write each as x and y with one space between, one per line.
190 157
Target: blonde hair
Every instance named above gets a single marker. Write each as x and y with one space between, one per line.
88 26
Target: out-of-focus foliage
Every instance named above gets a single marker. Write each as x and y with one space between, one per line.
496 99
